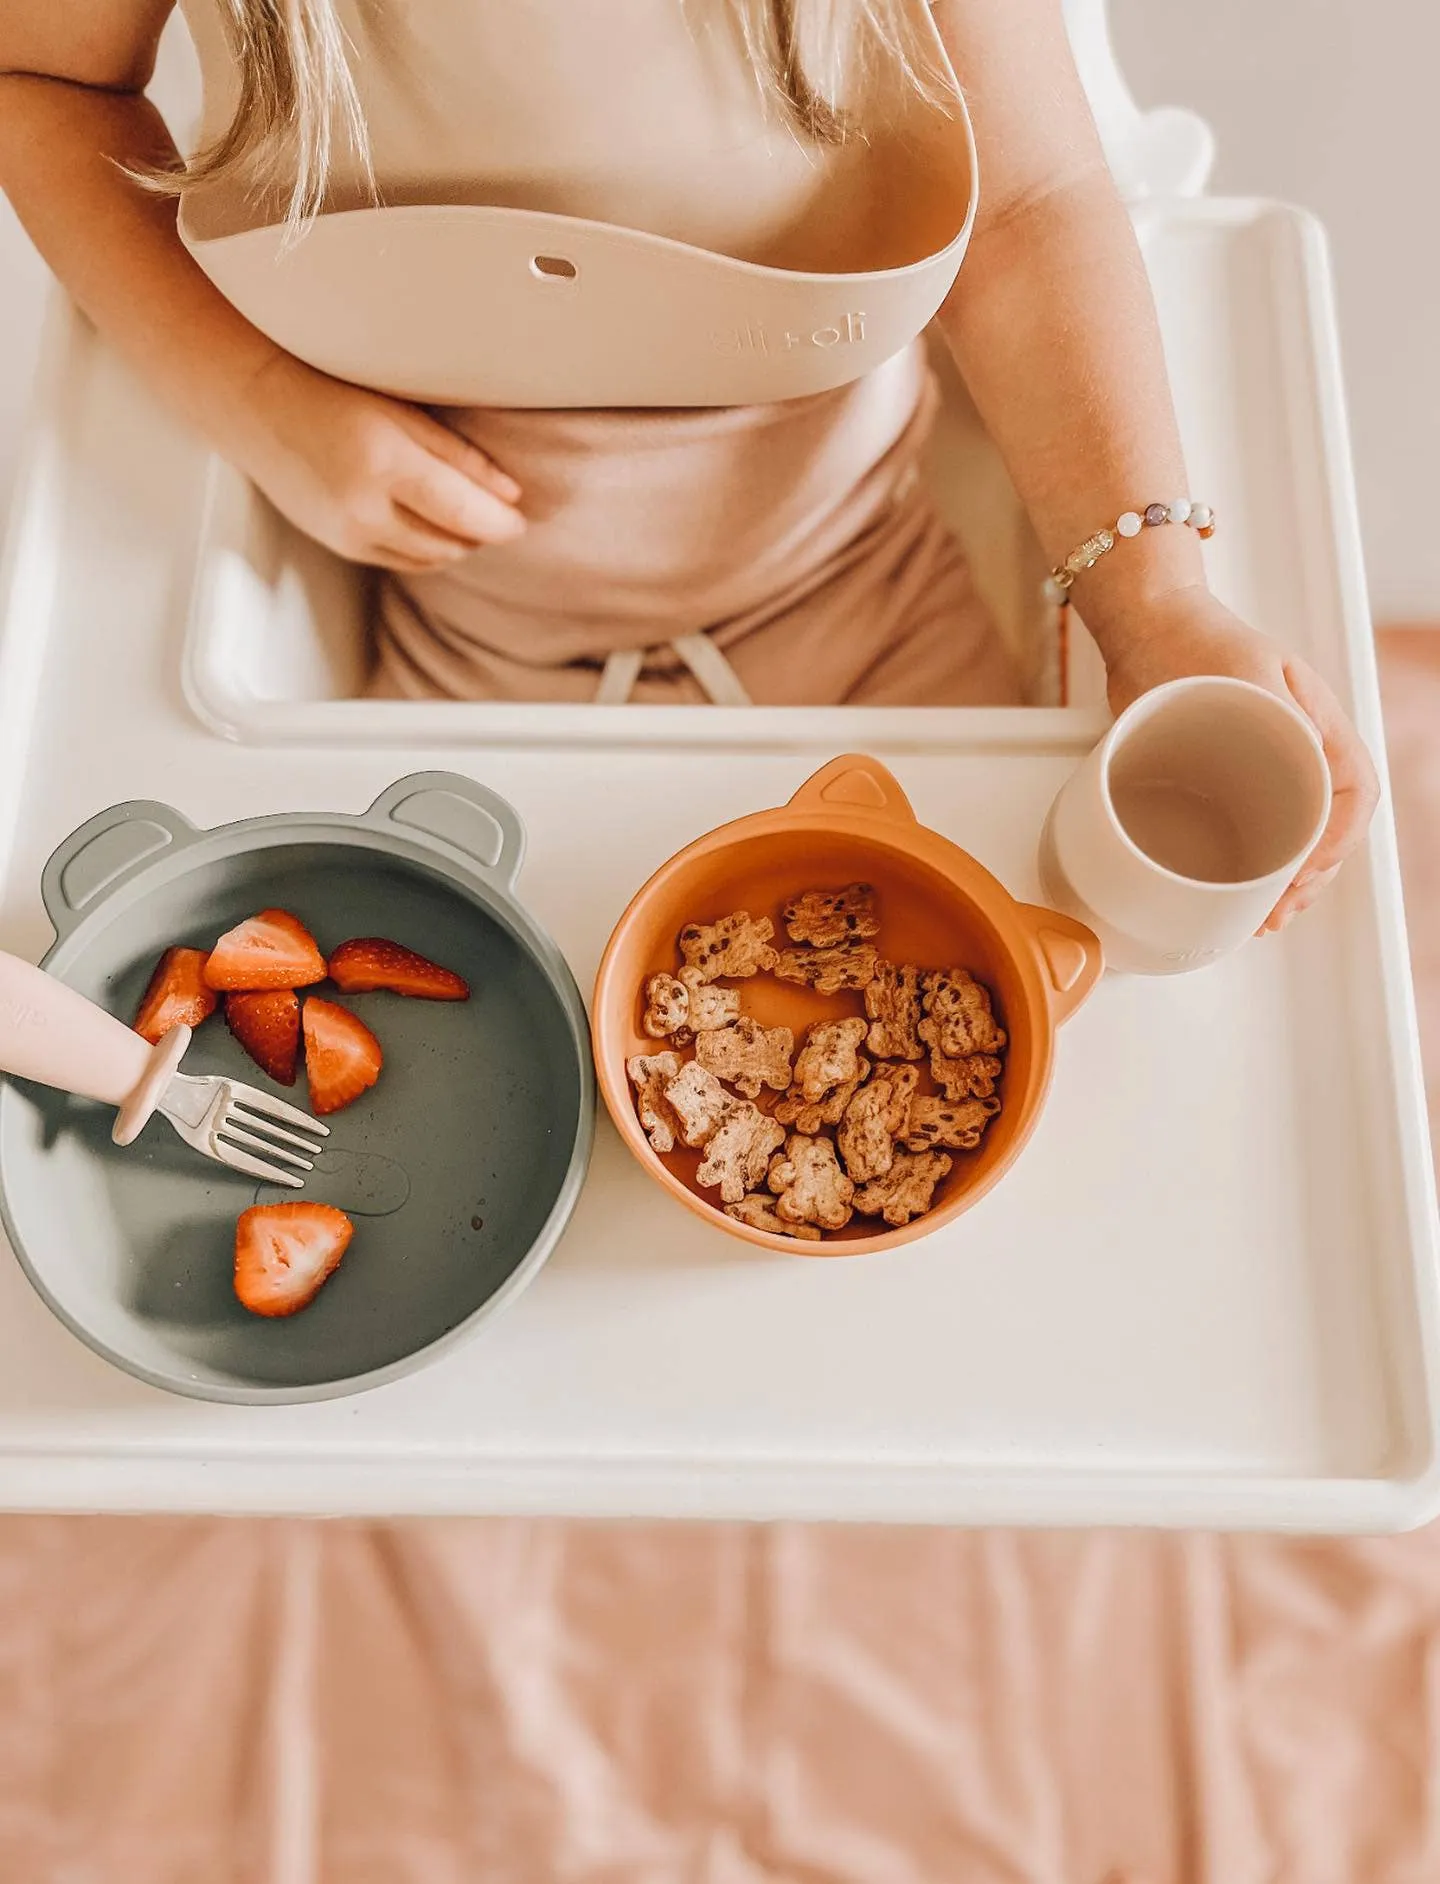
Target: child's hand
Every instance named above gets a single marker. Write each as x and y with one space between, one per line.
373 479
1189 632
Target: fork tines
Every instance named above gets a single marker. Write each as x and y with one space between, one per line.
252 1119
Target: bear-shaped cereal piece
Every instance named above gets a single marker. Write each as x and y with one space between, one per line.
760 1213
824 918
907 1189
809 1185
735 947
893 1003
677 1007
810 1116
875 1118
934 1122
667 1009
738 1156
829 1058
829 971
748 1055
700 1103
972 1076
650 1074
958 1020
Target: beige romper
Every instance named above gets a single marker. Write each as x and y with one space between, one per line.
783 552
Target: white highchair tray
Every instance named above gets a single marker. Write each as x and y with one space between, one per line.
1207 1294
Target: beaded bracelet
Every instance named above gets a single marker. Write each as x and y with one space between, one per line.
1200 517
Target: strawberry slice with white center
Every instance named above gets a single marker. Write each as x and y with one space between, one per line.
268 1027
342 1056
284 1254
177 995
271 950
370 962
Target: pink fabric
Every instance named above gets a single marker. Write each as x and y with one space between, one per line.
522 1703
514 1702
796 536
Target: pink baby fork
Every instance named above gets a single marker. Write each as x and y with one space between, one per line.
51 1034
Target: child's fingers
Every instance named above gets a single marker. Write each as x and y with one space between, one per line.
384 557
409 534
1306 890
412 550
447 501
1355 793
1355 787
457 452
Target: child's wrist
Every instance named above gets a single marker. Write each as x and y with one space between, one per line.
1130 592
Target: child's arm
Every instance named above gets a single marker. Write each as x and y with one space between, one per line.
374 479
1053 326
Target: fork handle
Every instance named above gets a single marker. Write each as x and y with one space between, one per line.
53 1035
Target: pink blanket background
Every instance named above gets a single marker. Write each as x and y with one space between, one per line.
521 1703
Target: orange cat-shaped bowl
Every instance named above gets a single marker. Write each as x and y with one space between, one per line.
938 908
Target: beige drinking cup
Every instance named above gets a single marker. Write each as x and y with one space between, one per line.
1182 829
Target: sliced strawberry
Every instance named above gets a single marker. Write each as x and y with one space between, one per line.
284 1253
342 1056
268 1027
371 962
177 995
271 950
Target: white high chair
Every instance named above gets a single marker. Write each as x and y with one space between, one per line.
1209 1297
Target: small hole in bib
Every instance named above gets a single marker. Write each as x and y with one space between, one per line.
553 268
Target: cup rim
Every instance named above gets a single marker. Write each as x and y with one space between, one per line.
1187 683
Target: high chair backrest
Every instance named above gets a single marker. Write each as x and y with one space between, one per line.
1162 152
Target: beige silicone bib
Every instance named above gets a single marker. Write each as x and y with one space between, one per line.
515 300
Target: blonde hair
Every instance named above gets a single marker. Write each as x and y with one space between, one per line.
811 58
